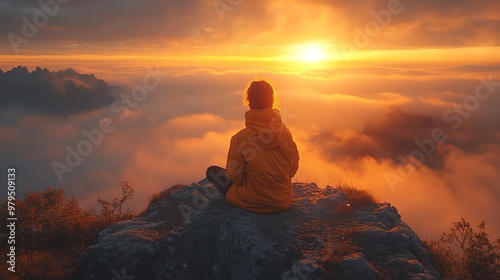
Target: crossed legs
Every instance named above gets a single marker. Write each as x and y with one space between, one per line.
217 176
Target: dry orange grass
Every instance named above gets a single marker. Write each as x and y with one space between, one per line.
356 198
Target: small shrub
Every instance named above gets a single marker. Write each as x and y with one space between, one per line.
466 254
53 231
49 217
444 260
112 209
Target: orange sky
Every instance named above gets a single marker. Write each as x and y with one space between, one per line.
247 28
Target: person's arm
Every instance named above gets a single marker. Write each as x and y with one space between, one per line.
235 167
295 157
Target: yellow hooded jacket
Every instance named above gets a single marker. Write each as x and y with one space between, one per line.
261 162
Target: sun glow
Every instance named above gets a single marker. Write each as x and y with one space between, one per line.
313 53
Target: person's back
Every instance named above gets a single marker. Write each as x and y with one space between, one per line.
262 158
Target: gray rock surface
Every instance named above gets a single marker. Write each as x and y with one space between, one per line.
192 233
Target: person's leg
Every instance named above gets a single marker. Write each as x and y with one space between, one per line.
217 176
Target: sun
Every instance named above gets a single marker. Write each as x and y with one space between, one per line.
309 54
313 53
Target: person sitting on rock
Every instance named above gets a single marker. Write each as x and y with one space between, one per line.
262 158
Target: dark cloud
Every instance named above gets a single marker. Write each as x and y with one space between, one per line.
395 135
385 137
61 93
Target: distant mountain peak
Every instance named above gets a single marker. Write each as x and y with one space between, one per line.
56 93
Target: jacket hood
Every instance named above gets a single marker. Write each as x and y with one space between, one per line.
265 127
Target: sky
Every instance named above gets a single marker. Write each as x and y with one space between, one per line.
398 97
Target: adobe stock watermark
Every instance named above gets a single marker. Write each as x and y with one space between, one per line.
201 198
40 18
249 148
223 6
121 276
363 37
324 250
454 117
121 108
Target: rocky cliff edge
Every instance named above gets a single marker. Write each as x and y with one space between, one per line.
190 232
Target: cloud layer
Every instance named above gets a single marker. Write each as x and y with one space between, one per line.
356 124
